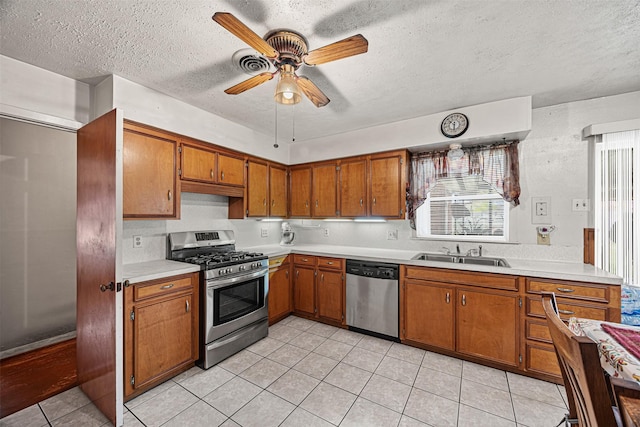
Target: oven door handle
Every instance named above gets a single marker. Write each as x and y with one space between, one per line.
215 284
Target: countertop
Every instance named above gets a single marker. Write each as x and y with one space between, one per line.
519 267
140 272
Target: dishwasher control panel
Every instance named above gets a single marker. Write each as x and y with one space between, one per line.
373 269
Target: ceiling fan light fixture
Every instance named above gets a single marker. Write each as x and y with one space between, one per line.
287 92
455 152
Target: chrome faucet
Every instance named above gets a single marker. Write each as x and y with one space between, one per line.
458 249
475 252
445 250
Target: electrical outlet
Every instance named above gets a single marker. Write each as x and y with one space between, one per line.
264 232
325 232
137 241
392 235
580 205
544 239
540 210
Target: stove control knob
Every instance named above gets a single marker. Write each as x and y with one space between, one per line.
242 268
228 271
221 272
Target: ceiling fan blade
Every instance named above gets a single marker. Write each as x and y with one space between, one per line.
312 92
354 45
249 83
244 33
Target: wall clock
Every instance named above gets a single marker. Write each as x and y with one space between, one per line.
454 125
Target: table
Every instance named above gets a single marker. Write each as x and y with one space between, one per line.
630 410
614 357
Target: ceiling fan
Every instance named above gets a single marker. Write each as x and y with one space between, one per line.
288 50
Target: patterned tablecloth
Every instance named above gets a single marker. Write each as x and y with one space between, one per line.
615 359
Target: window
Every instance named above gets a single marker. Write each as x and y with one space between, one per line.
463 208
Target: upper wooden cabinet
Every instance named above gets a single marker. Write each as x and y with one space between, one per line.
388 177
353 188
198 164
300 192
150 185
324 194
230 170
277 190
266 189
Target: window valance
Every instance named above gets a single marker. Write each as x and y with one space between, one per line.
496 164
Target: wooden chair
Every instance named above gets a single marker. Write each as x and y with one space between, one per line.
584 378
623 392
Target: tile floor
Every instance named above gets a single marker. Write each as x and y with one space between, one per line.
313 375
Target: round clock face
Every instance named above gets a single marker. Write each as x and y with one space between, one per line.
454 125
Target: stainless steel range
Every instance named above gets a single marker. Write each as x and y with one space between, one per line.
234 289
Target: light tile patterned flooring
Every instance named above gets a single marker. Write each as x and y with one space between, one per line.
313 375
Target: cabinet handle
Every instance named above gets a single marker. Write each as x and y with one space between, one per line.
167 286
360 202
187 301
448 298
329 262
297 272
211 173
286 273
316 203
126 283
464 299
322 277
566 312
304 259
169 195
374 200
222 176
306 203
264 202
273 202
566 290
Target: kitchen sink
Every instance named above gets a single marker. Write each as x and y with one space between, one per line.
473 260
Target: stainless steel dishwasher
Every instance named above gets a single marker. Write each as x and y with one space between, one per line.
372 297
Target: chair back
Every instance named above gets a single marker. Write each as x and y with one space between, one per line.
581 370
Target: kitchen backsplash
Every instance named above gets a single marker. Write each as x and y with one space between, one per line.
209 212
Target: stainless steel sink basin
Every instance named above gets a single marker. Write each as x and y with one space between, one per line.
498 262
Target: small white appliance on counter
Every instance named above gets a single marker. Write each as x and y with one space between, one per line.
287 234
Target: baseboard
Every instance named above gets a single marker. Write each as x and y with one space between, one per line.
28 378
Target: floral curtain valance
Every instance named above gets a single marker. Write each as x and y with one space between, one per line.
497 165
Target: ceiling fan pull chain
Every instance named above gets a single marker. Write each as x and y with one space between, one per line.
293 131
275 144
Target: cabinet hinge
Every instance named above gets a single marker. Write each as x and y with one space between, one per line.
132 315
179 172
400 211
520 358
247 212
337 168
315 273
246 164
401 160
342 317
179 149
132 380
337 213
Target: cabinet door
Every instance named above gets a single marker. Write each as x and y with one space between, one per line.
279 293
149 176
278 191
429 314
331 295
257 189
324 191
387 190
353 188
230 170
162 337
304 296
487 325
300 192
198 165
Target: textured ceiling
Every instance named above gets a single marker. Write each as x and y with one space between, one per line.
425 56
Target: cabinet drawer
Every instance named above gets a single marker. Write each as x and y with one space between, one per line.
537 330
304 259
278 261
159 288
487 280
335 263
570 290
542 358
567 309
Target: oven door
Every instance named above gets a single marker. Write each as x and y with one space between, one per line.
233 303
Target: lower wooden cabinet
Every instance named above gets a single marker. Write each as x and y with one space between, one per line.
280 305
161 331
330 290
319 288
304 290
429 314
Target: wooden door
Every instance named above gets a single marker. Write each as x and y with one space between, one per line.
304 296
331 295
277 191
230 170
198 165
99 257
300 192
257 189
149 175
353 192
324 191
487 325
429 314
387 191
279 293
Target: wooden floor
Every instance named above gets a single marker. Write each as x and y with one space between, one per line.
31 377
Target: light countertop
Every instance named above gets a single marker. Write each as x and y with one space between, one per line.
140 272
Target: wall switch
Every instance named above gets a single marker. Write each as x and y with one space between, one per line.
580 205
137 241
325 232
540 210
264 232
392 235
